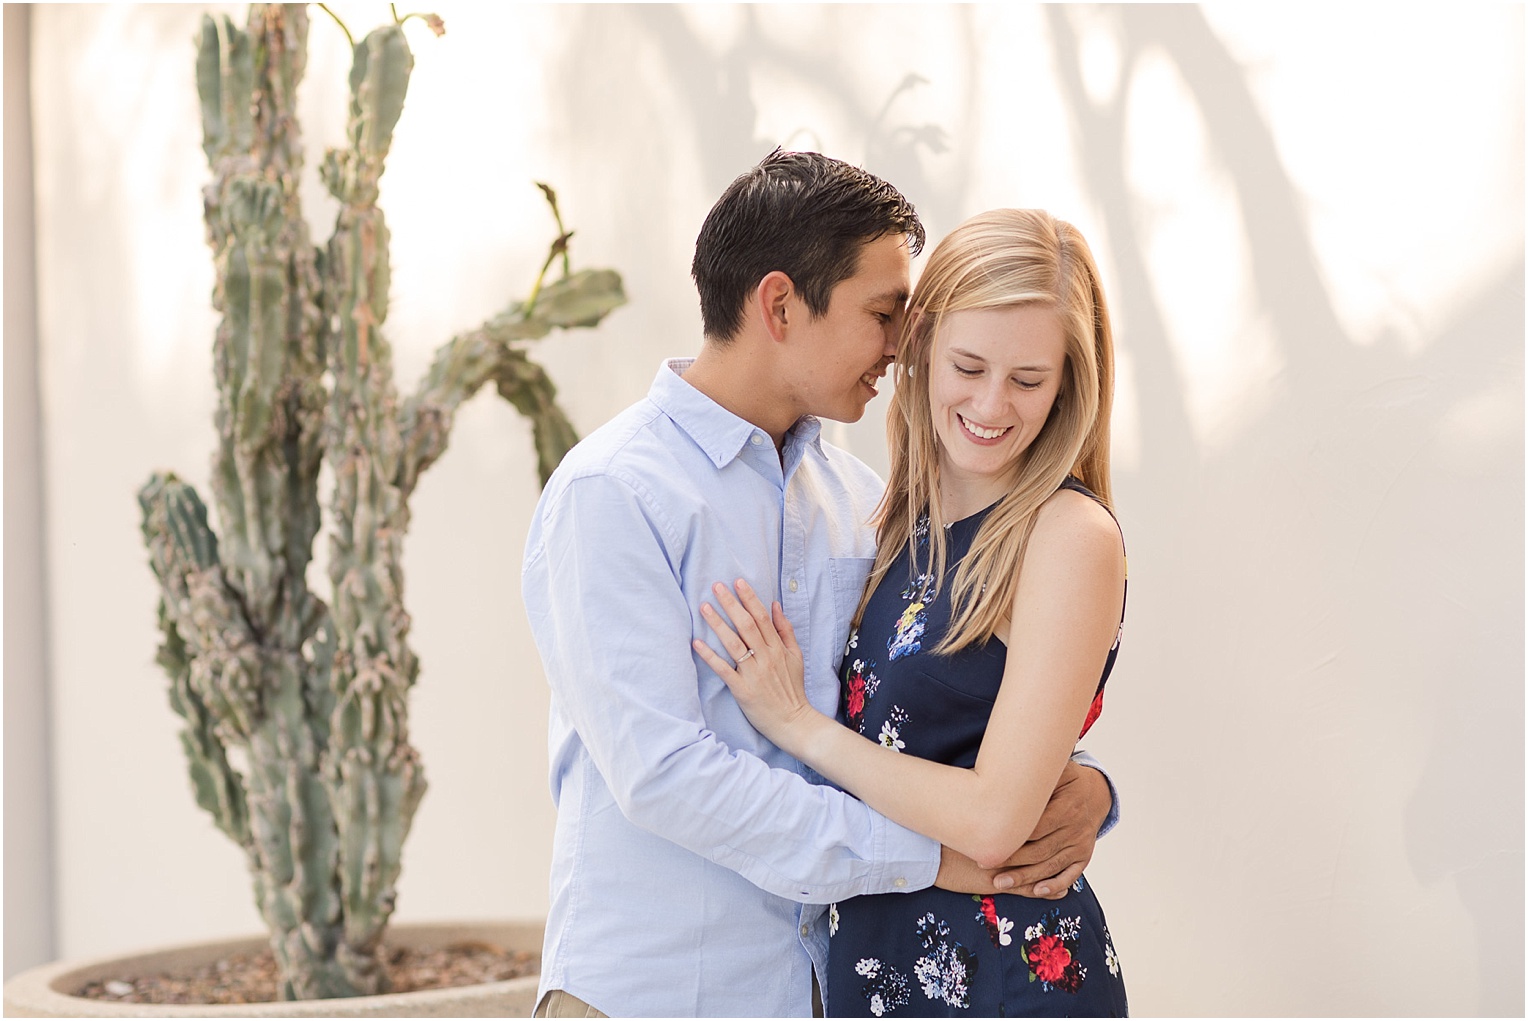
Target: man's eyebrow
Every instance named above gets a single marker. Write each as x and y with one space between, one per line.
899 296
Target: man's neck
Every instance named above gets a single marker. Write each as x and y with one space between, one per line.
737 377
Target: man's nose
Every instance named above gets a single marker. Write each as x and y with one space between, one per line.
893 334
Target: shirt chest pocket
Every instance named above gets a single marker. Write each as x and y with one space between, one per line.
848 576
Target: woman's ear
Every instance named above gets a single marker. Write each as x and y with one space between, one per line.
912 339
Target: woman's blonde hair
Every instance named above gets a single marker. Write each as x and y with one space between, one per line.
998 259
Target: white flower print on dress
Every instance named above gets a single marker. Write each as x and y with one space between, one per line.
891 729
919 588
887 988
946 973
832 919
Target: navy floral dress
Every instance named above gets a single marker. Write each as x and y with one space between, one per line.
935 953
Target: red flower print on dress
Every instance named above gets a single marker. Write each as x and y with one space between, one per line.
854 697
1048 958
1094 711
1048 949
998 929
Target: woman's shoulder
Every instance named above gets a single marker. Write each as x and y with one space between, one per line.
1075 521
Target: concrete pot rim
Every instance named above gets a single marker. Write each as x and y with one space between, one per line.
37 991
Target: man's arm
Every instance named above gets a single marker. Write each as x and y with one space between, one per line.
613 625
1080 810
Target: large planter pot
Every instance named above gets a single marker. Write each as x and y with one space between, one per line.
45 991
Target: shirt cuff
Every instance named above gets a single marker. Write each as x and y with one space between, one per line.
908 861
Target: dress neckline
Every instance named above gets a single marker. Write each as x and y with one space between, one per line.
974 515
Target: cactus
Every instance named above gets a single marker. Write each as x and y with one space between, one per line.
296 711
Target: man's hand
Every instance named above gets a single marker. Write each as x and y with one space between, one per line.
962 875
1062 843
1055 854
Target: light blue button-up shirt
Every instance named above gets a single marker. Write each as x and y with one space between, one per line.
692 858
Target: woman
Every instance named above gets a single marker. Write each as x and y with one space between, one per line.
991 622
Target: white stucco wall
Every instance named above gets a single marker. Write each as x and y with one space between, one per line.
1311 228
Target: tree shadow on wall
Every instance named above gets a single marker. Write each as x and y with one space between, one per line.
711 88
1343 479
643 92
1410 527
716 88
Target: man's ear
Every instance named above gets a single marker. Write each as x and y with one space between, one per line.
771 300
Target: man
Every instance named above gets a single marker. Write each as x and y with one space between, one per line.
692 858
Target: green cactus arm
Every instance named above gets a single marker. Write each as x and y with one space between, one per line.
374 802
209 88
183 553
296 843
266 357
233 690
379 82
224 80
527 386
579 300
468 361
218 788
372 773
214 637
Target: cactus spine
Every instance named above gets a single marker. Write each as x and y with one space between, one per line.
296 711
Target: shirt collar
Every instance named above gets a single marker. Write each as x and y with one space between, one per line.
717 431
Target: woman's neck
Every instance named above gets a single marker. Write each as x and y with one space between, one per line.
960 497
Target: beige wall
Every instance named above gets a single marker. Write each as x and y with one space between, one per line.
1311 228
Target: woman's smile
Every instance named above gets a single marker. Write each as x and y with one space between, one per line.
993 379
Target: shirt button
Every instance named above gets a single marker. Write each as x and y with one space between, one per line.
805 932
899 882
758 440
793 584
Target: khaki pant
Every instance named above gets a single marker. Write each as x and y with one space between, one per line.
557 1003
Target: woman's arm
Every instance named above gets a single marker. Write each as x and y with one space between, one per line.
1065 615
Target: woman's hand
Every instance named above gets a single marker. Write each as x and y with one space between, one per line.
766 675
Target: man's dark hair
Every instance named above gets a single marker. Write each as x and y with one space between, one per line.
802 213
